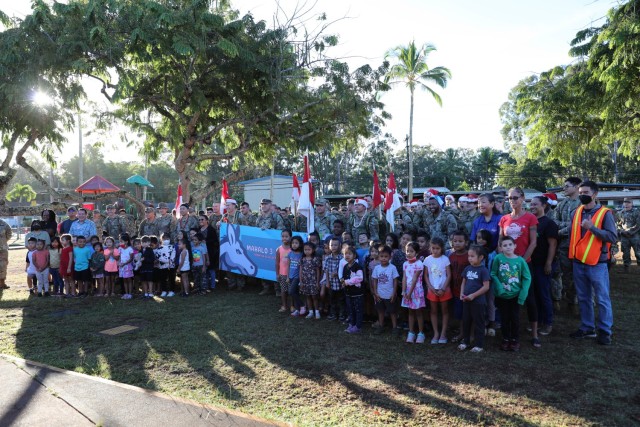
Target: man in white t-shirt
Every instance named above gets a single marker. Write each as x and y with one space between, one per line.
384 288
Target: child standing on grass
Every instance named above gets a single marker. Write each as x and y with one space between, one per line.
484 238
165 256
384 285
438 281
148 259
184 265
55 250
30 268
293 259
125 265
511 279
332 275
137 263
413 292
40 260
199 263
97 267
282 268
459 260
475 285
81 258
111 256
352 277
310 279
66 265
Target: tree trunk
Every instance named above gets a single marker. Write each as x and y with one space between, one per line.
410 185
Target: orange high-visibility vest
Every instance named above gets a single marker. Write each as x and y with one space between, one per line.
588 248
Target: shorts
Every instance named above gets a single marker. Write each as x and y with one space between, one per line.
431 296
110 274
31 275
185 271
82 275
386 305
97 276
283 281
146 276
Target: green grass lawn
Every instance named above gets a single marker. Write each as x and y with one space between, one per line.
235 350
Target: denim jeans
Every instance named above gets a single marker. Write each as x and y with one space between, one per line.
211 278
294 291
58 283
593 280
543 295
356 308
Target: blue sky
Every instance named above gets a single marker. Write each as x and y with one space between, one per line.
488 45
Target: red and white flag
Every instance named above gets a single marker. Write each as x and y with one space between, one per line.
377 192
224 197
295 194
392 201
178 201
306 203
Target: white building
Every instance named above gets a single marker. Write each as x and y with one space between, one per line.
262 188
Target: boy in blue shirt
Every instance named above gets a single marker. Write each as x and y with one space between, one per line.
80 260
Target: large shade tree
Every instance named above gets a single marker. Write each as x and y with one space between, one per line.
409 67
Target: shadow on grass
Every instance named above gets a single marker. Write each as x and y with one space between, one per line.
236 350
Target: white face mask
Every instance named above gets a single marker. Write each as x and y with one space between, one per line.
165 242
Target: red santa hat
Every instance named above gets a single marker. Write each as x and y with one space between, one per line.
472 198
552 198
463 198
362 202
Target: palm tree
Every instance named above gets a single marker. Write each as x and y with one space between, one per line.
487 165
21 192
411 69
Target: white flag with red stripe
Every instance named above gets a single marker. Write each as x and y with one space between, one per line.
224 197
178 201
305 205
392 201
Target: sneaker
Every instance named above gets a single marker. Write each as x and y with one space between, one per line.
443 340
505 346
462 347
477 350
295 313
603 338
331 317
309 315
354 330
514 346
303 311
349 328
264 291
318 317
171 294
282 309
434 340
163 294
545 330
411 337
583 334
420 338
536 342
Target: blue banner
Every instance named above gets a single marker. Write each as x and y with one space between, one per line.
250 251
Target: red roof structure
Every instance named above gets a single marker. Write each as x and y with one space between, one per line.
96 185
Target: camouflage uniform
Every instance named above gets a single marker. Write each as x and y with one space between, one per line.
129 224
367 224
167 225
562 216
443 226
5 235
453 211
467 224
324 224
148 228
628 226
232 219
271 221
186 224
300 223
287 221
422 220
250 220
215 218
99 228
114 227
403 222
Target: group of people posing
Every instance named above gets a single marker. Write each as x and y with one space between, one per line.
480 258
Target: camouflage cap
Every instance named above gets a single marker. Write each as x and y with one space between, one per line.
150 209
628 199
163 205
265 201
321 202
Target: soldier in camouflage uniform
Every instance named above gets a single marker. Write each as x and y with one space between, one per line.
443 224
323 220
628 226
403 222
149 225
286 219
5 235
563 215
470 215
214 214
129 223
98 220
362 221
186 222
267 220
166 222
451 207
113 224
246 216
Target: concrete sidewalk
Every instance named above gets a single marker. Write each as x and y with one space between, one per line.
32 394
